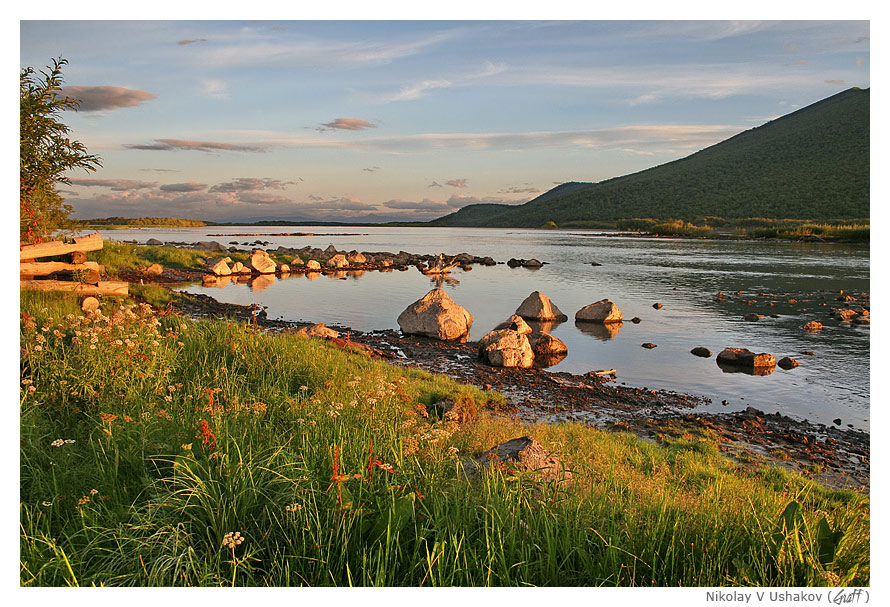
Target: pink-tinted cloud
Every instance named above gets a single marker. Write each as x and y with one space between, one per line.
349 124
519 190
247 184
346 203
192 41
201 146
98 98
192 186
263 198
117 185
424 205
435 184
457 183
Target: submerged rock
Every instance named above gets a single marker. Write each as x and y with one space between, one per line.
744 357
788 363
701 351
436 315
813 326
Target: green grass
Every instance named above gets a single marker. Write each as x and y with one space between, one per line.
119 256
172 434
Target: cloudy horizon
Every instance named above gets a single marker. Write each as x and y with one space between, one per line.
411 120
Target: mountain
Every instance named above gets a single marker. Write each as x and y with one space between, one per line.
810 164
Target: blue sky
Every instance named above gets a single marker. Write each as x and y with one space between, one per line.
228 120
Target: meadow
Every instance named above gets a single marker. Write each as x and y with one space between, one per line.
156 450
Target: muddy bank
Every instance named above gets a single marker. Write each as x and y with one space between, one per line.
836 457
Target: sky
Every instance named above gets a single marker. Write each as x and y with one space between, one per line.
412 120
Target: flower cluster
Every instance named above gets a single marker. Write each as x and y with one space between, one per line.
232 539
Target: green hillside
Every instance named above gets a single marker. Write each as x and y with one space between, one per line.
810 164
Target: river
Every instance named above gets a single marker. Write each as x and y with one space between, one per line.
635 273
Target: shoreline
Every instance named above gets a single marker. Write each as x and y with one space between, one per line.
838 458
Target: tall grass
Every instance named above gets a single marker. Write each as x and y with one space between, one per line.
120 256
148 440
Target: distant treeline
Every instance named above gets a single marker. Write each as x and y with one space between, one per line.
176 222
840 230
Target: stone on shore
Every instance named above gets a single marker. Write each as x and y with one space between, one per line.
603 311
516 323
297 262
545 345
260 262
313 265
538 306
240 268
154 269
436 315
154 242
507 348
523 454
318 330
337 261
355 258
220 267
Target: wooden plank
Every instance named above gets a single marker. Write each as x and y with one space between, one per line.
91 242
104 287
42 268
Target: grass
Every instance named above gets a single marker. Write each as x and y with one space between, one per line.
147 440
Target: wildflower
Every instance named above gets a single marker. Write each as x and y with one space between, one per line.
187 447
304 388
32 388
168 398
232 539
57 443
27 382
94 491
127 418
37 348
207 437
293 508
69 441
386 468
171 388
107 417
83 500
47 504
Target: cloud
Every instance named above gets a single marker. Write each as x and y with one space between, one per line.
424 205
263 198
457 183
349 124
217 89
192 186
115 184
346 203
98 98
435 184
248 184
791 47
416 91
518 190
202 146
458 201
860 61
839 82
372 169
315 198
192 41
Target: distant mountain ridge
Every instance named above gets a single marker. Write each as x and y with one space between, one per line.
810 164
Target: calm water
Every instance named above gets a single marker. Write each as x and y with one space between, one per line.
684 276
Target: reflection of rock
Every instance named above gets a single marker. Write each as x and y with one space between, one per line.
312 275
603 331
506 348
538 306
355 274
548 360
241 279
604 311
436 315
515 323
258 283
216 281
746 370
542 326
341 274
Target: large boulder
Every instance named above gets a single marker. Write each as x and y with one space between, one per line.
523 454
355 258
313 265
743 357
507 348
546 346
260 262
436 315
603 311
220 267
297 262
538 306
154 242
337 261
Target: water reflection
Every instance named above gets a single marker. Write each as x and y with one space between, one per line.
602 331
548 360
443 279
312 275
543 326
746 370
261 281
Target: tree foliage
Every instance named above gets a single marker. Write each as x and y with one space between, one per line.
46 152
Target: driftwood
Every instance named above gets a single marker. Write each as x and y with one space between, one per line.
104 287
440 266
42 268
91 242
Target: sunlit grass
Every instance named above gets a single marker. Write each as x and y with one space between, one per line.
146 439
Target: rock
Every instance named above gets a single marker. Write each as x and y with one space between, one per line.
538 306
532 263
337 261
751 317
284 268
603 311
220 267
861 320
657 306
154 269
788 363
837 422
212 245
649 345
701 351
813 326
89 304
436 315
523 454
260 262
745 358
515 323
240 268
514 263
313 265
297 262
636 320
331 250
595 264
154 242
545 345
318 330
464 410
843 313
356 258
507 348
